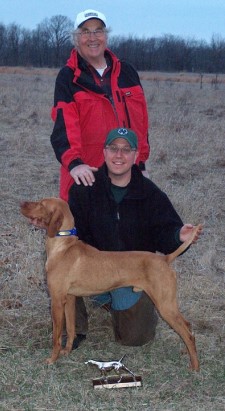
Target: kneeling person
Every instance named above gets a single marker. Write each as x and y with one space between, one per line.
125 211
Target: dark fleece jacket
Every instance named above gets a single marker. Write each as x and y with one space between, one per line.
144 220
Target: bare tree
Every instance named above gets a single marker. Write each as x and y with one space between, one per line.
13 37
58 32
217 54
25 48
3 43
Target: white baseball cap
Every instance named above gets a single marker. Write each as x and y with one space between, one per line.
87 15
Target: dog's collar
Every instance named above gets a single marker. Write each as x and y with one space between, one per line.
64 233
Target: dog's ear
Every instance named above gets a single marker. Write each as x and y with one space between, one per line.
55 223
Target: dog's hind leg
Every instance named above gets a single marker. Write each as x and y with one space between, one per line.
176 321
70 316
174 318
169 311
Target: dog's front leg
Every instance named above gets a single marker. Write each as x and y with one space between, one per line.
70 316
57 309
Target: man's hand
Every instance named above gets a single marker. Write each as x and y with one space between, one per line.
186 231
83 174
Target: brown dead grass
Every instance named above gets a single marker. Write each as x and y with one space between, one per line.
29 70
184 77
187 161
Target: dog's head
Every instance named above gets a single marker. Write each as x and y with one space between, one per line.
46 213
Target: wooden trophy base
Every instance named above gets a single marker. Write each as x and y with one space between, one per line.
112 382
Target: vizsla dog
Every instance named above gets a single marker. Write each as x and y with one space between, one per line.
77 269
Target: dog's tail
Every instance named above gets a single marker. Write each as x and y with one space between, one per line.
171 257
121 359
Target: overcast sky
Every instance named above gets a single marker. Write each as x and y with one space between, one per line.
189 19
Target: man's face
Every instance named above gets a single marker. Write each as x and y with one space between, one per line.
91 46
119 158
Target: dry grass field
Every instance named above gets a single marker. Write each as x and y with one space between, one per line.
187 161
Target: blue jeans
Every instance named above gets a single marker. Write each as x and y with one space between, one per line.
120 299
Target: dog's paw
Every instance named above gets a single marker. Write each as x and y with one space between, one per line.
65 351
194 367
49 361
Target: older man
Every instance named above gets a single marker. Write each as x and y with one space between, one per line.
94 93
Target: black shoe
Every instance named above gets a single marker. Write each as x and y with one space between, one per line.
76 342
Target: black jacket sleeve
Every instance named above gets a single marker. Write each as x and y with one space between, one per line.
78 197
166 223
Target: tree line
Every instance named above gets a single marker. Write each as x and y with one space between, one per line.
49 45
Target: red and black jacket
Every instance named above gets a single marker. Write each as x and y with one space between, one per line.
85 111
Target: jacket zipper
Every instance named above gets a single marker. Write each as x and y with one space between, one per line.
119 245
110 99
127 112
125 109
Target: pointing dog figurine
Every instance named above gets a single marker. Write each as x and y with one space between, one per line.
106 366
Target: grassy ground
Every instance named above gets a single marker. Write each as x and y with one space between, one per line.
187 161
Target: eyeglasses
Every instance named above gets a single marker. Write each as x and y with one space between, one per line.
124 150
86 34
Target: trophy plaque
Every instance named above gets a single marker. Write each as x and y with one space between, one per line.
114 381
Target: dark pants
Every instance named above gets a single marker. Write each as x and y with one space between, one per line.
81 317
134 327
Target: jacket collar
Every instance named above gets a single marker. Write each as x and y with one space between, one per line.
76 62
136 186
82 74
